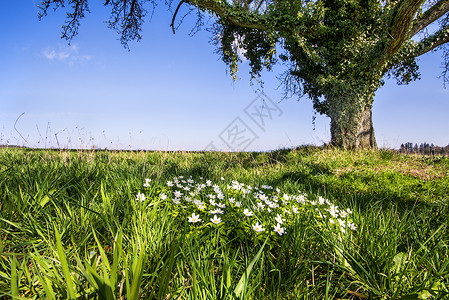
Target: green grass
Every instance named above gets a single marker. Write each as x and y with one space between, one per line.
71 226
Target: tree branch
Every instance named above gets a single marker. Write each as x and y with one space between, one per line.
233 17
431 15
405 12
172 25
435 40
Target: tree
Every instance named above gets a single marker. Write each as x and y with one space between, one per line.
338 52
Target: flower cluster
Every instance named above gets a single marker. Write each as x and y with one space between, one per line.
258 207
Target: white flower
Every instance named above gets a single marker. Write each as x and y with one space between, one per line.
170 183
231 200
212 202
279 229
208 182
194 218
190 180
140 196
147 182
201 207
352 226
177 194
220 196
247 212
221 205
258 227
263 197
279 219
321 200
238 204
260 205
163 196
343 214
176 201
333 211
222 178
295 210
219 211
215 220
286 197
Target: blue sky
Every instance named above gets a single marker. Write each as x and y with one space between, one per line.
171 92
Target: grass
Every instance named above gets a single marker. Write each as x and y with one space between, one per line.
72 227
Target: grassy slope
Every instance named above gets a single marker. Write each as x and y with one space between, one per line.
400 204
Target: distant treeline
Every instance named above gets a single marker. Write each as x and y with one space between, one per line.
424 148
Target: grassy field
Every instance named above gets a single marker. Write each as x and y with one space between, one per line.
308 223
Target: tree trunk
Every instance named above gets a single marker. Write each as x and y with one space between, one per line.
350 111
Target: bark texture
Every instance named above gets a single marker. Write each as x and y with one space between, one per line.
351 119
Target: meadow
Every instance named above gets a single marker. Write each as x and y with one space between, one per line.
305 223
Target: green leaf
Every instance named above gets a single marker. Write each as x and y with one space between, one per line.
243 282
64 265
14 286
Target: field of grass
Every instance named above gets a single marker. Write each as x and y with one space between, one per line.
308 223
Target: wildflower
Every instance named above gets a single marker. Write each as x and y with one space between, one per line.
163 196
286 197
238 204
295 210
263 197
279 229
260 205
321 200
352 226
231 200
208 182
258 227
170 183
176 201
140 197
343 214
279 219
190 180
201 207
147 182
177 194
194 218
215 220
188 199
333 211
219 211
220 196
247 212
222 178
186 188
221 205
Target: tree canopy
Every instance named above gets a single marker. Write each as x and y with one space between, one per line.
338 52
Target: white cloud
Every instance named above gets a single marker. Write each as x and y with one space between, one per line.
68 54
